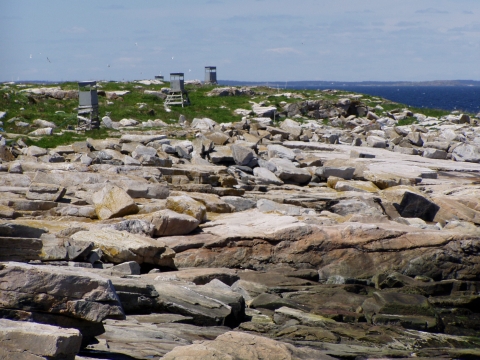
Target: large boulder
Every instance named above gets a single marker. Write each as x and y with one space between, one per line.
292 127
21 340
51 289
112 201
243 155
120 246
45 192
235 345
279 151
264 176
169 223
186 205
466 152
287 171
414 205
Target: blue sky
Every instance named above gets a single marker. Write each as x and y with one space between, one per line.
250 40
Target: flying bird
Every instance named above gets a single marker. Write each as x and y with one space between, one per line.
108 65
136 44
30 56
172 57
48 59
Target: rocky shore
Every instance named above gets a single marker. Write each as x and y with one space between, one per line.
310 229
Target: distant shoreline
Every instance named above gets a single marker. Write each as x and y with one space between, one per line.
353 83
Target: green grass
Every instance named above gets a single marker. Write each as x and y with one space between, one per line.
26 108
407 121
49 142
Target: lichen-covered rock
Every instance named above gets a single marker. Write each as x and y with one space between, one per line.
186 205
113 201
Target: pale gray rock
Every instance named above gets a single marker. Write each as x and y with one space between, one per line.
267 206
15 168
440 145
35 151
204 124
239 203
267 165
466 152
243 155
42 132
85 159
21 340
126 268
77 211
343 172
292 127
266 177
432 153
44 124
130 161
134 226
46 192
128 122
356 206
143 139
415 138
376 142
56 290
405 150
279 151
287 171
264 111
142 151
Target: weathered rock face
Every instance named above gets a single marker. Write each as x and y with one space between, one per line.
285 240
113 201
238 346
58 291
25 340
169 223
186 205
118 247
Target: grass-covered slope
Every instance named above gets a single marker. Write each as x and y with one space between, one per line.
24 107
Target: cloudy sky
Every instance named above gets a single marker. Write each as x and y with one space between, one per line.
250 40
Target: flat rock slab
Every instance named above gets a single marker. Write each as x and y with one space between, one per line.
237 345
59 291
351 249
142 339
27 340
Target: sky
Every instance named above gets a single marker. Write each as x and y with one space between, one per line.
247 40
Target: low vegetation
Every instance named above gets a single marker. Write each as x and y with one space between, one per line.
23 107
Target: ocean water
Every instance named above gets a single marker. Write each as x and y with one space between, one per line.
462 98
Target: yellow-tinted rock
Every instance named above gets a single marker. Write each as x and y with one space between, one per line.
113 201
362 186
186 205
